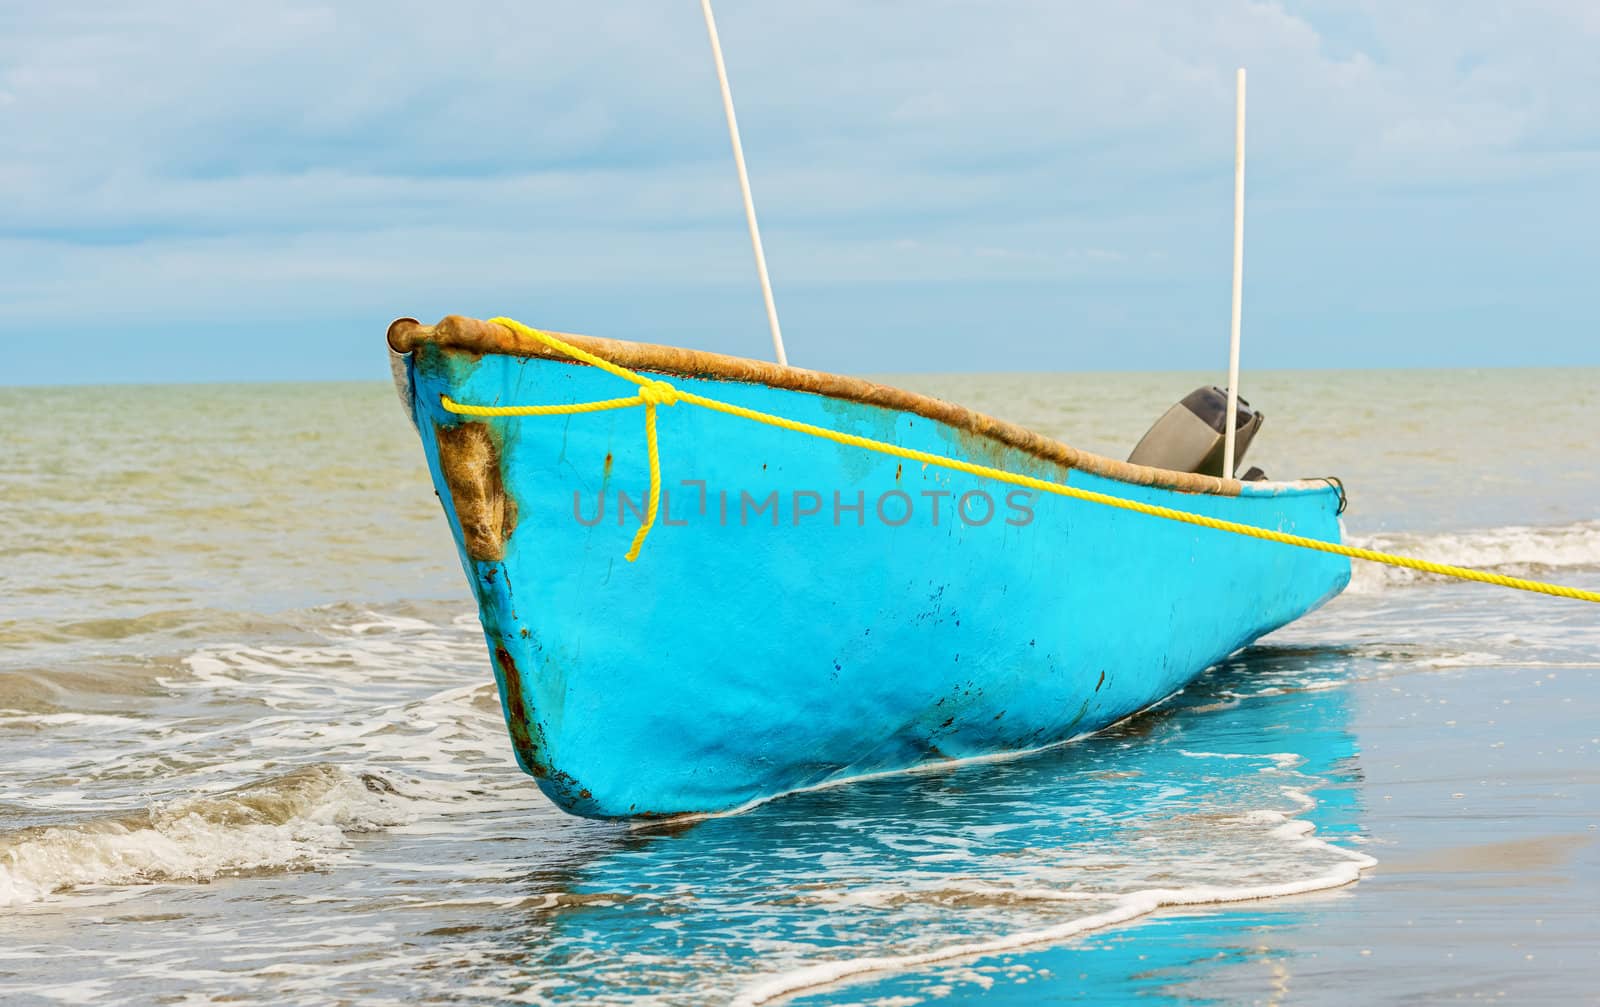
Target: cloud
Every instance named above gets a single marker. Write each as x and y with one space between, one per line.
185 160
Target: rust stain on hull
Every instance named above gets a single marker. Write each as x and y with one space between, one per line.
469 457
517 713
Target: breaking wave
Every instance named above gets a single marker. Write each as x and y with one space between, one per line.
299 820
1515 550
367 722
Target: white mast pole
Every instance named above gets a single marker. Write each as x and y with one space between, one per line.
1232 421
744 184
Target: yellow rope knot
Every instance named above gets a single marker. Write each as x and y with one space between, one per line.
652 393
658 393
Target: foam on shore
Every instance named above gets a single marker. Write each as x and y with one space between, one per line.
1515 550
1125 909
296 821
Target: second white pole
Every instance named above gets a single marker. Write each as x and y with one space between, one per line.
744 184
1230 425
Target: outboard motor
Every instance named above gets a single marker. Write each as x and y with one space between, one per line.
1190 437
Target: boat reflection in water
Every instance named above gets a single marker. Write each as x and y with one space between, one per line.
1207 796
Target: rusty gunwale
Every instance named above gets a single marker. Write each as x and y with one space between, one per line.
471 335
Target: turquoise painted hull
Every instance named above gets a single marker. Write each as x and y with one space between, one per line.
756 648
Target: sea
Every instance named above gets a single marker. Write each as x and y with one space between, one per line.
251 751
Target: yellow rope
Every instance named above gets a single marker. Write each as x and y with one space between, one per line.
577 407
653 393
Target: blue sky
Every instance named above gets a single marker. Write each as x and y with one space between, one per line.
210 191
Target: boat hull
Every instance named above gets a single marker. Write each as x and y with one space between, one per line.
807 612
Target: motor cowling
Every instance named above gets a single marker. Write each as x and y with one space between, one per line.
1190 437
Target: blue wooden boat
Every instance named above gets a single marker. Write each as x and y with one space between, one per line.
807 612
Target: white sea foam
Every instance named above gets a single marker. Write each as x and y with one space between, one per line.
396 725
298 820
1345 869
1516 550
376 717
35 720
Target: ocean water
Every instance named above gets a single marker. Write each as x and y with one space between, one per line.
250 748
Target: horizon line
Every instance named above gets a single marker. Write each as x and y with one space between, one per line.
266 382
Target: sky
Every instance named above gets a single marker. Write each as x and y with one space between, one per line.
239 191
